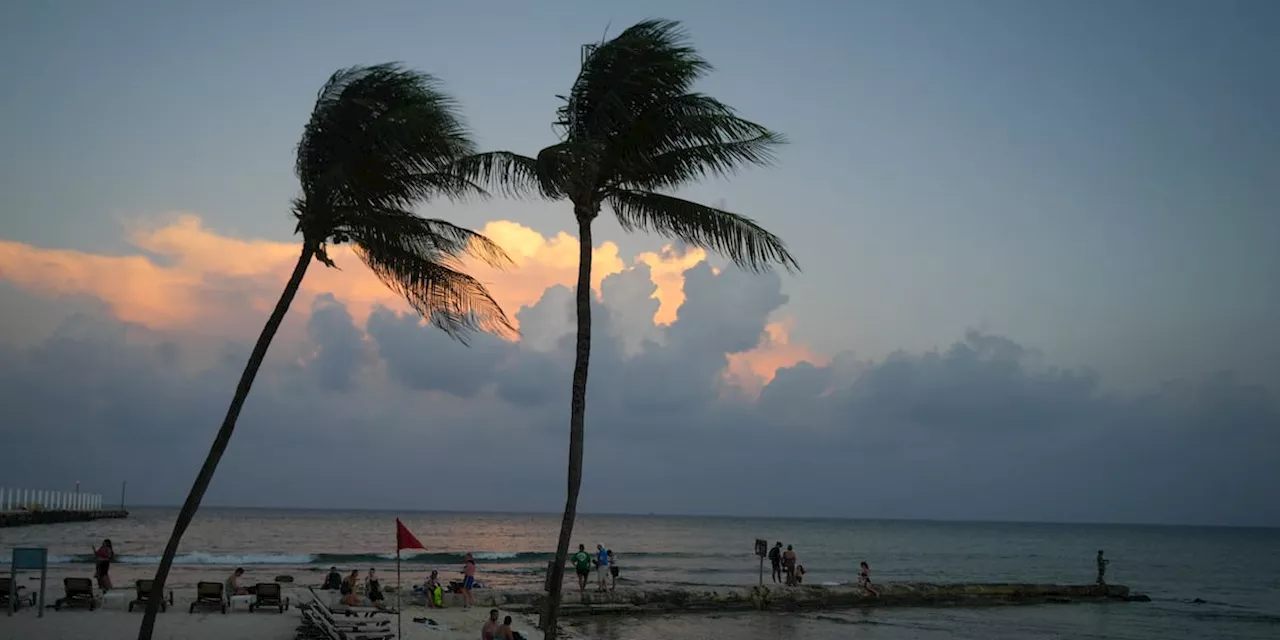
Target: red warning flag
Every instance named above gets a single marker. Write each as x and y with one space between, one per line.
404 539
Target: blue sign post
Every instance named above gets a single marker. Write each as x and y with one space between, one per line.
28 559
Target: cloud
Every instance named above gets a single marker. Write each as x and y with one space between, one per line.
984 428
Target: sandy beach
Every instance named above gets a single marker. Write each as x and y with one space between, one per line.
112 621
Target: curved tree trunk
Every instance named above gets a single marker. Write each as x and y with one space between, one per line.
577 416
220 442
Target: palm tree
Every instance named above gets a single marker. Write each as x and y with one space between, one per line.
632 130
380 139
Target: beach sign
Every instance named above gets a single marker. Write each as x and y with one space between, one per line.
27 559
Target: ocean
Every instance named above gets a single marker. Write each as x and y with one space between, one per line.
1204 582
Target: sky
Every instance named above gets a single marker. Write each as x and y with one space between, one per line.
1037 240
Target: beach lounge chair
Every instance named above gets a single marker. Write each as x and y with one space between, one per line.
144 594
10 592
77 592
208 596
346 623
314 619
268 594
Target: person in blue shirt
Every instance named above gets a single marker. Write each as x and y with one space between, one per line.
602 565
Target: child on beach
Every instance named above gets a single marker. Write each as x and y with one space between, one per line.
864 579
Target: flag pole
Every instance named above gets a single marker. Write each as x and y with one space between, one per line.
399 630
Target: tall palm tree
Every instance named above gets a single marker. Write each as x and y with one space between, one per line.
380 139
632 130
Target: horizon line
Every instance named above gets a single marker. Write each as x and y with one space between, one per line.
713 516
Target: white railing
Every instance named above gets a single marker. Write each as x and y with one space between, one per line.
41 500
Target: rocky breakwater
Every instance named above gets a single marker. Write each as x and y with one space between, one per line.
23 518
897 594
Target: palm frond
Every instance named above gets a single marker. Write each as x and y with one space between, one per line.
503 171
623 76
380 136
686 138
733 236
433 285
431 238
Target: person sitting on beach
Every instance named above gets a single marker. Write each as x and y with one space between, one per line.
864 580
333 581
373 590
435 592
775 560
102 557
613 570
348 590
490 628
789 566
233 583
582 566
504 632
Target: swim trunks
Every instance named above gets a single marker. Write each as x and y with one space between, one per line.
468 582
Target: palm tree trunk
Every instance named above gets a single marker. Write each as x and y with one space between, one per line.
220 442
577 417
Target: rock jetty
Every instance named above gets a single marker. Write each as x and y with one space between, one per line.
42 516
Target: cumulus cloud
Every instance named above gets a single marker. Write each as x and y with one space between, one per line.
984 428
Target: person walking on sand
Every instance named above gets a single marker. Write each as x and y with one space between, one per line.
469 581
490 628
775 561
1102 570
103 556
789 566
602 565
864 580
582 566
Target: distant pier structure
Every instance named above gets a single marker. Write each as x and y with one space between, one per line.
20 507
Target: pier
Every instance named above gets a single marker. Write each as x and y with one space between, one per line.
778 598
19 507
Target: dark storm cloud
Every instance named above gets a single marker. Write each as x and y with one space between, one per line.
980 429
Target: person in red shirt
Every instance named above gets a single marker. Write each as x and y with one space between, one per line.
102 557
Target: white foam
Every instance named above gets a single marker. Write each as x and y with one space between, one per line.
493 555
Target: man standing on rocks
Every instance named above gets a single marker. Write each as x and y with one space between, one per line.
582 566
1102 570
775 559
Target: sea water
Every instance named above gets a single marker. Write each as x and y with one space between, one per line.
1204 582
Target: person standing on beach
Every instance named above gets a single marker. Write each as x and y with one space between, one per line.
775 560
582 566
1102 570
613 570
102 557
789 566
469 581
602 565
